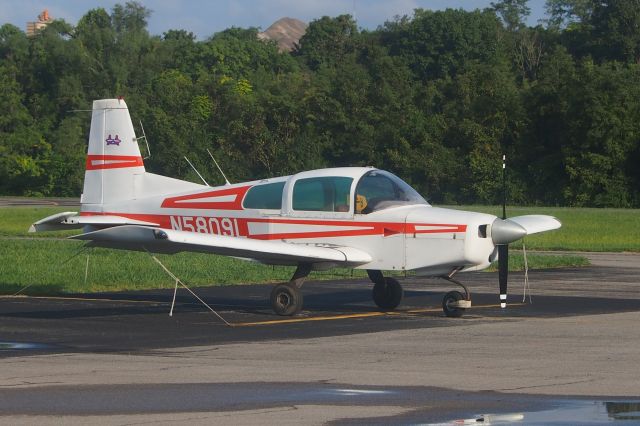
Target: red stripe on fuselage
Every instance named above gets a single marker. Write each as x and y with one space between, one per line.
99 162
190 201
367 228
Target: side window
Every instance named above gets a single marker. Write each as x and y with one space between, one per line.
267 196
322 194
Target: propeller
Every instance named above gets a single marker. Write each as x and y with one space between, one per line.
505 231
503 249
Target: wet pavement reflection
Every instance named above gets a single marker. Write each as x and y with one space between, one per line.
566 413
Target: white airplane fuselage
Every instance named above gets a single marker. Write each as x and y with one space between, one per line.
431 240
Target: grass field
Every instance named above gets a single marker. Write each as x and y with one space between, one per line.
50 264
58 266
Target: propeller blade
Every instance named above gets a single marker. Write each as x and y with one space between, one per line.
503 272
502 233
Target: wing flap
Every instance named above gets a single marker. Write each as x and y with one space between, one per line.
158 240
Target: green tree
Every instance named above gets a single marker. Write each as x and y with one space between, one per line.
96 39
564 13
14 45
130 18
327 40
24 153
513 13
616 29
440 44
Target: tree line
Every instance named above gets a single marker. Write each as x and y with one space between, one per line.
436 98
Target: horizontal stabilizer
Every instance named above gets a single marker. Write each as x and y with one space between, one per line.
158 240
71 220
56 222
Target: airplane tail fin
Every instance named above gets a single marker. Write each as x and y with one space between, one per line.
113 156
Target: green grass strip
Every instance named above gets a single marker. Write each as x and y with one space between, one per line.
49 267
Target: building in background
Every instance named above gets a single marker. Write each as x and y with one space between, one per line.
44 19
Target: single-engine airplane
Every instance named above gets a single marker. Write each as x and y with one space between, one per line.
358 217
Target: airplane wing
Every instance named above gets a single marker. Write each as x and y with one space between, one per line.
157 240
536 223
71 220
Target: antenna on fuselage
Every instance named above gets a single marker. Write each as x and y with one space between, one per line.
196 170
144 136
221 172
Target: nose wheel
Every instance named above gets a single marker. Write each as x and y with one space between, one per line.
454 303
450 304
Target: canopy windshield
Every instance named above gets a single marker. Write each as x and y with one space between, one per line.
379 190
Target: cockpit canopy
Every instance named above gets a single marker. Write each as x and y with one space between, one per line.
347 191
379 190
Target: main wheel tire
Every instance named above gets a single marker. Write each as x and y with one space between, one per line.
448 300
286 299
388 294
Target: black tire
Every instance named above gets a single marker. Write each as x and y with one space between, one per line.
447 300
388 294
286 299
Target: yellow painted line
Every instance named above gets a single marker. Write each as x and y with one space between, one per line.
89 299
309 319
421 311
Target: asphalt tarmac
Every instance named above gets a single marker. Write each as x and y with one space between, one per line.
120 358
132 322
38 202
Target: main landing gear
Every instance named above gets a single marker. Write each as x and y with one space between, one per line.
387 291
286 299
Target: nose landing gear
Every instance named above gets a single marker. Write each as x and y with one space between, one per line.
454 303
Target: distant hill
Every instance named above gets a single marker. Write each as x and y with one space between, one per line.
286 32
